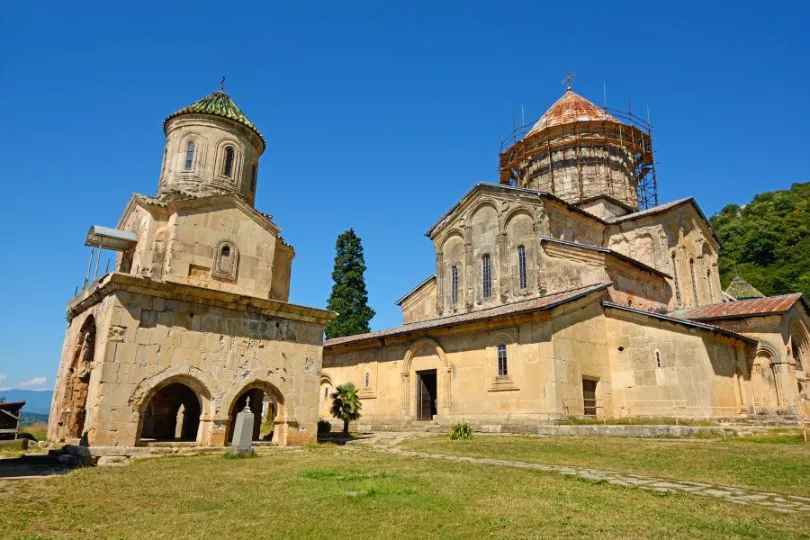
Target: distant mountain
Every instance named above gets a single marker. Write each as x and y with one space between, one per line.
36 401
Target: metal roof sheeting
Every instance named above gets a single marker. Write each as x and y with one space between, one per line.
109 238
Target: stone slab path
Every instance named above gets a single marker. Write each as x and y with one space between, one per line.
387 442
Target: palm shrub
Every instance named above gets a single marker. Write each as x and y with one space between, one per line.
346 405
461 431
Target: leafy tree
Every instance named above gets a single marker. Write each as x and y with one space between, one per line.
767 242
349 296
2 399
346 405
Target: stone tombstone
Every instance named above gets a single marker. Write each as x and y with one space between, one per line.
242 442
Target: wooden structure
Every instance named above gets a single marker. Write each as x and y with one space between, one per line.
10 419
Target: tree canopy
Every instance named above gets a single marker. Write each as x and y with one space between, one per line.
349 296
767 242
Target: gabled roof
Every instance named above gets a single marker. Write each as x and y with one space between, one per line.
217 104
535 304
665 207
421 284
606 251
570 108
739 289
755 307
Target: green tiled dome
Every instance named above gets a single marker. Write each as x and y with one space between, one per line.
742 290
218 104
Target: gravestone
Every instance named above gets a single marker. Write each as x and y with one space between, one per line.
242 442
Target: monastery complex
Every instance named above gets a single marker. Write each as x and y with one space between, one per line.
563 289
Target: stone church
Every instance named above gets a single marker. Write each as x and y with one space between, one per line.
566 289
193 323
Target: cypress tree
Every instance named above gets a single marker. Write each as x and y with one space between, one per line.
349 296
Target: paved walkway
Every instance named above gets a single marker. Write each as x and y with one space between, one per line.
387 442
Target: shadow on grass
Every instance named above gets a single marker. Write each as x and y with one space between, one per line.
340 438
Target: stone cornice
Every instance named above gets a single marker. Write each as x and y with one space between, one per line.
114 282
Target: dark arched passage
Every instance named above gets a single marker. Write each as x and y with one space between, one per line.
173 414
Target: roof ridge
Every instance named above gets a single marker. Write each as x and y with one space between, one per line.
217 103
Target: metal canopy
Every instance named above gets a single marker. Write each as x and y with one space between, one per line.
109 238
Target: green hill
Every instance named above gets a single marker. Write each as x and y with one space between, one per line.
767 242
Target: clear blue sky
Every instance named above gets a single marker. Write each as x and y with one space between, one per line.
378 116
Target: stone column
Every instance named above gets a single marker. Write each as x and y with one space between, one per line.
504 279
469 286
786 389
439 283
406 389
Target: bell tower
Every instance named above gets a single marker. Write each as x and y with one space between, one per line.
211 149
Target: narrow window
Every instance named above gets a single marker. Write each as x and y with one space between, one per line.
694 280
675 279
657 359
253 179
366 381
487 274
454 285
325 392
522 267
189 155
709 282
226 251
503 369
227 167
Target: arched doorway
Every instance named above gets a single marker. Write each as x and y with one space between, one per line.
266 404
74 400
172 414
763 382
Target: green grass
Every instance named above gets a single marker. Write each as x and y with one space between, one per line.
12 449
330 492
770 462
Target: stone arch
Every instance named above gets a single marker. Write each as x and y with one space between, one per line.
519 231
238 159
263 409
799 345
199 153
452 253
513 212
157 405
443 373
226 260
509 338
644 250
764 382
73 411
491 203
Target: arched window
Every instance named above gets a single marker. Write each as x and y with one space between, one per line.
677 282
487 276
694 281
227 166
454 285
226 259
709 282
522 281
253 179
325 392
189 155
796 351
503 368
366 380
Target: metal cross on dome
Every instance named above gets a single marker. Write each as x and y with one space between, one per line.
568 78
222 84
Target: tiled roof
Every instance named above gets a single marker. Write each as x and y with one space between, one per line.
570 108
218 104
754 307
535 304
739 289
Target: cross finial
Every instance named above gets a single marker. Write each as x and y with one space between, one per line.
222 84
568 78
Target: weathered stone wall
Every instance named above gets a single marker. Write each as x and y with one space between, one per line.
548 358
146 342
421 304
206 175
677 242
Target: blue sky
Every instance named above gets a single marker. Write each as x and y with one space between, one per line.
378 116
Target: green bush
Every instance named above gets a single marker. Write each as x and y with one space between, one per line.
461 431
324 426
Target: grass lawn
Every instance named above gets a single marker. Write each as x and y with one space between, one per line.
779 462
329 492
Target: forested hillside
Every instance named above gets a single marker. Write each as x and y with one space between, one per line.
767 242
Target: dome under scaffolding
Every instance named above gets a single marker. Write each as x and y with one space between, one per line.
580 152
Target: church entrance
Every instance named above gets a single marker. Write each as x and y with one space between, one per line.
426 398
589 397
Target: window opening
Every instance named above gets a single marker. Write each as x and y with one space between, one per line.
657 359
522 267
487 274
189 155
503 368
227 168
454 285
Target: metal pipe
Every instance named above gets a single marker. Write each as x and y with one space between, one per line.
89 266
98 258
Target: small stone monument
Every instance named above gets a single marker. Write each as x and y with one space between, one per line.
242 442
